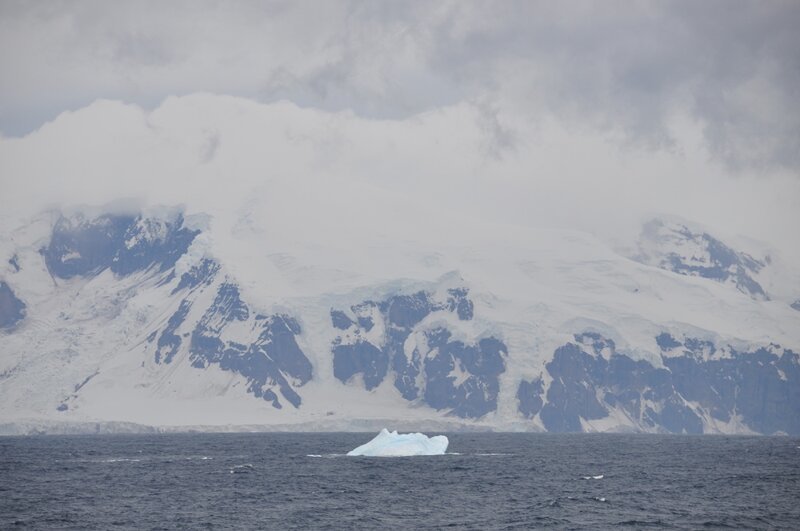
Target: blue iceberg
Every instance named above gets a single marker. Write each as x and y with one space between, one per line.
393 444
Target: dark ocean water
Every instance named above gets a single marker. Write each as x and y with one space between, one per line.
496 481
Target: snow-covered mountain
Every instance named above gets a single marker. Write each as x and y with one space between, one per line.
677 248
157 317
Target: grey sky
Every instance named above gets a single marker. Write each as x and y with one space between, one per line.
732 67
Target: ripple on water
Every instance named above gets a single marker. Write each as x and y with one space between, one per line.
486 481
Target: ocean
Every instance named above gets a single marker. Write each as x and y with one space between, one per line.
486 481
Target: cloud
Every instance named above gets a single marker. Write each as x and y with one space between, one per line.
293 174
618 67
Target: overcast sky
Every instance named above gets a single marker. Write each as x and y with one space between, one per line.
686 107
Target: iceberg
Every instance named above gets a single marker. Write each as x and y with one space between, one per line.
393 444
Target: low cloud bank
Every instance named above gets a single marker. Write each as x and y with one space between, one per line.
256 166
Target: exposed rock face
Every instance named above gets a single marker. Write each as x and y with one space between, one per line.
529 395
125 244
699 382
200 274
677 248
12 309
389 338
14 263
267 356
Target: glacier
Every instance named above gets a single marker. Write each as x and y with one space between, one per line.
393 444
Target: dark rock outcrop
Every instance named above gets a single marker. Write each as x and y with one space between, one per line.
698 383
12 309
445 374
